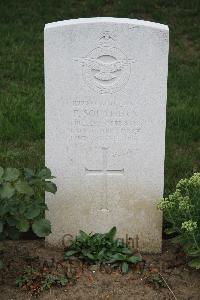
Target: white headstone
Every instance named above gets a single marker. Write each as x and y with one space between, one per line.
105 89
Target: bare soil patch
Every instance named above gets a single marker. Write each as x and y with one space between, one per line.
94 282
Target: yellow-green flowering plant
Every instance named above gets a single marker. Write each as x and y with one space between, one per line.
182 211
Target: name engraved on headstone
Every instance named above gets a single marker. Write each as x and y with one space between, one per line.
108 122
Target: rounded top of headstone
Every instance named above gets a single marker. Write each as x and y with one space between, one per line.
133 22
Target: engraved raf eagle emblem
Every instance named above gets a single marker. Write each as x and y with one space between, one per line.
105 71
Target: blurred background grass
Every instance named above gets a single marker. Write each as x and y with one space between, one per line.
22 78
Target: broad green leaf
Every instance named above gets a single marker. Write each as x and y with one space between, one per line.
50 187
41 227
195 263
32 212
45 173
70 253
117 264
90 256
124 267
126 251
111 233
13 209
13 233
170 230
101 253
83 235
119 242
34 181
22 208
117 257
28 172
11 174
24 188
1 226
1 172
11 221
134 259
4 209
23 225
7 190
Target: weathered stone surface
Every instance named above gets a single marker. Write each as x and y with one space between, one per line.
105 90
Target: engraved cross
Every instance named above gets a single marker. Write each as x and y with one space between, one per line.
105 172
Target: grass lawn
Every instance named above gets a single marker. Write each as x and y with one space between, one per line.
22 82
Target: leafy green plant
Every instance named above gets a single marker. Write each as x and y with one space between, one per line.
22 203
157 281
51 280
102 249
48 281
36 280
182 211
27 275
